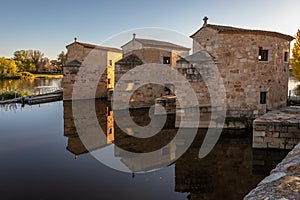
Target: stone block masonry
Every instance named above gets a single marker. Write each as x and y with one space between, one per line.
283 182
277 129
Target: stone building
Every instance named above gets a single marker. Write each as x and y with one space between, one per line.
144 51
253 64
77 54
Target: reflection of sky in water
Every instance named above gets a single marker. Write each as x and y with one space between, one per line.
36 164
106 156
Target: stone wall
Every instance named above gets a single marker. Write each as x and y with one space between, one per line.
89 74
144 95
245 77
151 55
277 129
85 83
283 182
77 52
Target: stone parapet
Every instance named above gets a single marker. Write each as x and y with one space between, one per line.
283 182
277 129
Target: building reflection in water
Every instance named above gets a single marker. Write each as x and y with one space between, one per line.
105 119
230 171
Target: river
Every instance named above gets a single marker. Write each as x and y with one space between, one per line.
43 157
28 85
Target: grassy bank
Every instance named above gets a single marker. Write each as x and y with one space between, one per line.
11 94
28 75
48 76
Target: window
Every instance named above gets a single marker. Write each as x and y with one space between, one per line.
108 81
110 62
263 97
167 60
286 56
263 54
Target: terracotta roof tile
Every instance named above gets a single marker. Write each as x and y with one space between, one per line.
234 30
129 60
73 63
158 43
93 46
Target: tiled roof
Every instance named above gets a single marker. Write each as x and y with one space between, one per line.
198 57
234 30
73 63
159 44
131 59
93 46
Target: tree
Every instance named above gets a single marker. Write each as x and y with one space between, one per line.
61 58
22 59
46 65
295 62
29 60
36 57
8 67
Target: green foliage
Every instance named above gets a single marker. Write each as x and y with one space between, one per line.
8 95
24 60
295 62
61 61
12 94
30 61
8 67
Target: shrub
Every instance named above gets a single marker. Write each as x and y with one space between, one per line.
9 95
12 94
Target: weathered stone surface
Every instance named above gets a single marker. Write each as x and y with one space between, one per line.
283 182
244 76
83 66
281 129
144 95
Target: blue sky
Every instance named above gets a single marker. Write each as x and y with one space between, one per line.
50 25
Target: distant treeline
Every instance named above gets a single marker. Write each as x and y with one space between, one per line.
32 61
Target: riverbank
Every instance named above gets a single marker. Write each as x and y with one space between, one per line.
28 75
283 181
48 76
36 99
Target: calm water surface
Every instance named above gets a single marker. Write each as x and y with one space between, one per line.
42 157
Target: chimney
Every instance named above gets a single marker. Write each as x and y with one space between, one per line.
205 19
75 39
134 35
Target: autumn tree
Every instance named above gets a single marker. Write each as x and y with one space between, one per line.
61 58
29 60
45 65
8 67
23 61
37 59
295 62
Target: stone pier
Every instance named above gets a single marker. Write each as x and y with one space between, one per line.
278 129
283 183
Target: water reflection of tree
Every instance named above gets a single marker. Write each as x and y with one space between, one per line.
28 85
